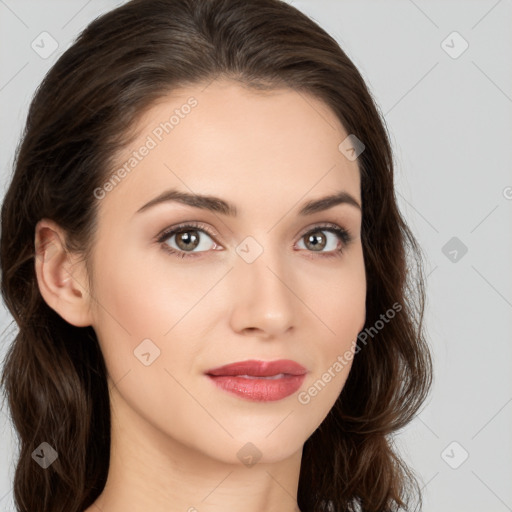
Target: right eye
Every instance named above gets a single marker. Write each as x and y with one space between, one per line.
188 237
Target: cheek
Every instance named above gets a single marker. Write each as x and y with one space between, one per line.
144 319
345 315
340 305
142 296
341 302
139 293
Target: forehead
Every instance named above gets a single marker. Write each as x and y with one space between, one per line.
231 141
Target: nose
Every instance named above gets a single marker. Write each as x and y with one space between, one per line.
264 302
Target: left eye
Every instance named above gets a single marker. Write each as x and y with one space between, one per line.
318 241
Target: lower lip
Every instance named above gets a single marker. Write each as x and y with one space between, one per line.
259 389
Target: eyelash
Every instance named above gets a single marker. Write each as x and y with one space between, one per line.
342 234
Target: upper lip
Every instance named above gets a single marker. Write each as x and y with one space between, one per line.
259 368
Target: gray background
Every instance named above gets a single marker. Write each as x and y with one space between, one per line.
450 121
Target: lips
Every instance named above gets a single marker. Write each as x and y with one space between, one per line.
259 368
259 380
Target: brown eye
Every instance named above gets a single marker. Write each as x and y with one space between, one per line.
187 240
315 240
326 240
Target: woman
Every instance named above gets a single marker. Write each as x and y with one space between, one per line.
203 253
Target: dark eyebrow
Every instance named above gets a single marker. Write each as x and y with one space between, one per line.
324 203
218 205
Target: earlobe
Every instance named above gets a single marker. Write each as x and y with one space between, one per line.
61 275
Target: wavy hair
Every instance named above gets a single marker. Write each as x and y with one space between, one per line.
83 112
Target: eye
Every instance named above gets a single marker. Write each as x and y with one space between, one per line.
187 238
316 240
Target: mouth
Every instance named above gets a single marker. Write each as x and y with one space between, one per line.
260 381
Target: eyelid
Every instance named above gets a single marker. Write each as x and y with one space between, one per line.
165 233
324 226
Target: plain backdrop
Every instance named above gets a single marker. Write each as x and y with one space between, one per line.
440 72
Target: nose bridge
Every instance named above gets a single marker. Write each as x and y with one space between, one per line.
264 299
262 269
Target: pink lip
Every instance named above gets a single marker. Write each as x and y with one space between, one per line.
259 368
258 388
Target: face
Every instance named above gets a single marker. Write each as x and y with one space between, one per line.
270 283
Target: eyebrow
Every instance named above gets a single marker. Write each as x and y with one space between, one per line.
215 204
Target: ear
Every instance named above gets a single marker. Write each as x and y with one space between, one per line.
61 275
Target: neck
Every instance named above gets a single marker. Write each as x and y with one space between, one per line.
150 471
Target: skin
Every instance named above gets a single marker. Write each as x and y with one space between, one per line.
175 436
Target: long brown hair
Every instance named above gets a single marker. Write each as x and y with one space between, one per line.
54 375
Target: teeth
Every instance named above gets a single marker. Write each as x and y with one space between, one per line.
271 377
